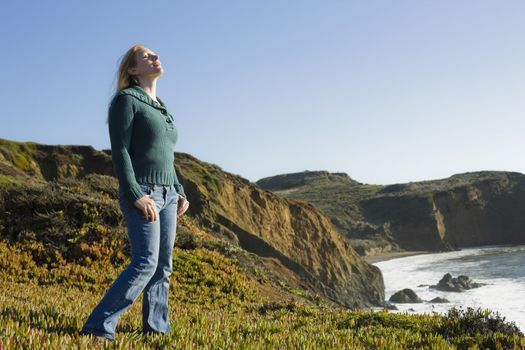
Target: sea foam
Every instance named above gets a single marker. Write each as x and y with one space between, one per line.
502 268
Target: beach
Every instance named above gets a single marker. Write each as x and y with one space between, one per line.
372 259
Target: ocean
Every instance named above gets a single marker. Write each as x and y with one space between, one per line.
502 268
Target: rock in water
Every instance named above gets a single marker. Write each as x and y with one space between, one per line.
459 284
391 306
405 296
439 300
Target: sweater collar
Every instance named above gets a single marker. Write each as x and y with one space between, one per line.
141 94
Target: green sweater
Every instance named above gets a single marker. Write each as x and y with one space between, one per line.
143 137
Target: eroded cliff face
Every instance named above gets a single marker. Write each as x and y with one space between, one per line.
470 209
295 233
488 212
410 218
465 210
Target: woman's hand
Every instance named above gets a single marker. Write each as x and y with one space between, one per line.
147 206
182 205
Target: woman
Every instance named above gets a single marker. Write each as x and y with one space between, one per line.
143 136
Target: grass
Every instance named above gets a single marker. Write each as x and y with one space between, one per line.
214 304
9 181
18 153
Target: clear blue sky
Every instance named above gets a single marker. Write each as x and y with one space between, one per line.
386 91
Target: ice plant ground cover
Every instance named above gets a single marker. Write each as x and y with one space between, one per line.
214 304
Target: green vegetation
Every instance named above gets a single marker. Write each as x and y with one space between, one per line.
8 181
62 243
206 174
215 305
17 153
344 195
494 178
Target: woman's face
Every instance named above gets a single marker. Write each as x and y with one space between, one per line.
147 64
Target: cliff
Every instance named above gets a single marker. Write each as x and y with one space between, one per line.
478 208
59 189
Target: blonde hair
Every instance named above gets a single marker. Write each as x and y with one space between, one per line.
125 80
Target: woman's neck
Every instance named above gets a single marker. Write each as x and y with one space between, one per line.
150 86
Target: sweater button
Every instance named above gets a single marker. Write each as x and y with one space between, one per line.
164 112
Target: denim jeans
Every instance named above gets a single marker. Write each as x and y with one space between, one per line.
149 270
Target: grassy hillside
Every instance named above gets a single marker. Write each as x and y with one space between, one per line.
308 252
215 304
62 243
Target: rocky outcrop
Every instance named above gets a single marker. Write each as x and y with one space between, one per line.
405 296
293 232
456 284
439 300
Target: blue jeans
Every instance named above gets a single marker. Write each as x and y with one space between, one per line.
149 270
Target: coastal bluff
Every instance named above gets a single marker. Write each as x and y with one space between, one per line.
464 210
292 240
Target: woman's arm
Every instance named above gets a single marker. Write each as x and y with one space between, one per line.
178 187
120 120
